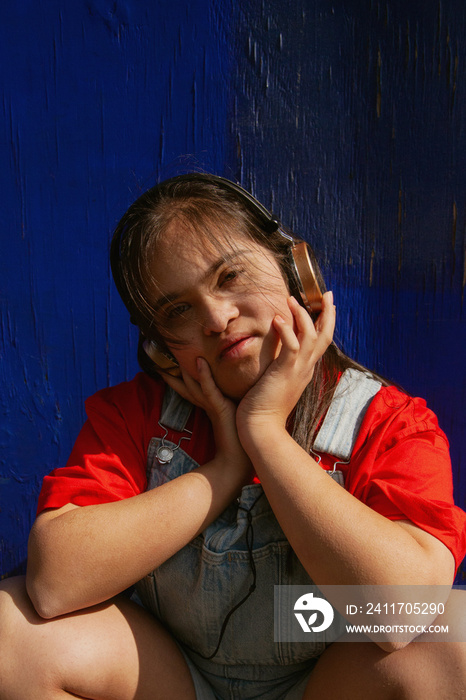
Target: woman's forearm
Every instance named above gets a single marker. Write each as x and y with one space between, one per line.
338 539
81 556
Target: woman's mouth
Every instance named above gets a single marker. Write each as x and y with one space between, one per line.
236 348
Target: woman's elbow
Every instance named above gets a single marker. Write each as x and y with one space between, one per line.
40 582
44 603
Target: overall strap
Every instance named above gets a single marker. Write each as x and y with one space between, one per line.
340 427
339 430
175 410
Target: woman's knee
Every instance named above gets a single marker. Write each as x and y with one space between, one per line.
36 655
420 670
16 618
426 669
115 649
15 611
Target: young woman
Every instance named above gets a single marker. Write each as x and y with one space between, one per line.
217 473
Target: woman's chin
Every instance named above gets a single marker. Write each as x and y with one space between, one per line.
236 383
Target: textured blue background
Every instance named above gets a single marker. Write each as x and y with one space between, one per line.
348 120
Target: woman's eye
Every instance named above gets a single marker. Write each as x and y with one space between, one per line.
176 310
229 276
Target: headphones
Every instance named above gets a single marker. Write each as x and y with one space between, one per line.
304 284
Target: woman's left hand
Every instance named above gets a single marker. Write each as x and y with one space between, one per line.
271 400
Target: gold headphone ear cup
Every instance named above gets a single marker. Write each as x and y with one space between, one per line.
162 361
307 282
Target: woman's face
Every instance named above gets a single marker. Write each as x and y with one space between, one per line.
219 302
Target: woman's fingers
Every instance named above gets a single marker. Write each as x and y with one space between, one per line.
188 387
288 337
202 392
325 323
180 386
304 338
207 384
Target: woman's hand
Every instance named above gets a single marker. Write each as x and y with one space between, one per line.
203 393
271 400
221 411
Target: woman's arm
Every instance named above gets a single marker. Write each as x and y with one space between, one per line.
81 556
338 539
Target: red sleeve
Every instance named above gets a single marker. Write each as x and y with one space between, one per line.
108 461
401 468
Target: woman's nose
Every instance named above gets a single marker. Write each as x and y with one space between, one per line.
218 312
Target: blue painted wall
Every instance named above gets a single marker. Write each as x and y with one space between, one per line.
349 121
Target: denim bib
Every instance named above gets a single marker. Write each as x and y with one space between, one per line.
193 592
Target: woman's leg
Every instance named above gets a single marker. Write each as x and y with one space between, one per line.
351 671
420 671
113 651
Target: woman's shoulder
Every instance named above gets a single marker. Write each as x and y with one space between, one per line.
140 394
398 415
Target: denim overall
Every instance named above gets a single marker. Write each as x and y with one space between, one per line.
193 591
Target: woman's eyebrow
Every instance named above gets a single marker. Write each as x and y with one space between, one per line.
227 258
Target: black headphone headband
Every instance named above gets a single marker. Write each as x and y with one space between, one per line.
269 222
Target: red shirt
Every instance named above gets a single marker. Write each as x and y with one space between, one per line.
400 466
